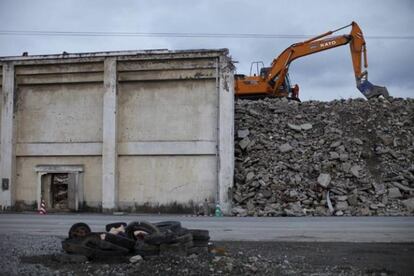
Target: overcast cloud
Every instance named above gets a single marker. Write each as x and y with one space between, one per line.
323 76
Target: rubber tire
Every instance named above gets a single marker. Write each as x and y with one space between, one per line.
140 225
159 238
200 243
183 231
79 230
173 249
197 250
164 226
200 234
75 246
115 224
103 248
189 245
120 241
92 246
182 235
145 249
184 238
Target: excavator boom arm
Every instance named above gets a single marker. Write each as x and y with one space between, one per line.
273 81
280 65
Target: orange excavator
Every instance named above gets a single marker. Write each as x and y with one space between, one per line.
274 80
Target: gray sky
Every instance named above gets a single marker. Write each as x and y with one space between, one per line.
322 76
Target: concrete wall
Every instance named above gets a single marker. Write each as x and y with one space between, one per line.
151 130
184 179
45 113
169 111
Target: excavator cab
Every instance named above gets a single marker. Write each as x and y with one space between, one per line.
286 89
264 71
256 67
291 91
256 85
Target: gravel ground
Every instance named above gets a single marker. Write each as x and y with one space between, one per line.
42 255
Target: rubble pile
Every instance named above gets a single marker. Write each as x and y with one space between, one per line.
60 190
345 157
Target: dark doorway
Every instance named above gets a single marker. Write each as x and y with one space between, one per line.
60 191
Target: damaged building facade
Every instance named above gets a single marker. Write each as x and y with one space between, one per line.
134 131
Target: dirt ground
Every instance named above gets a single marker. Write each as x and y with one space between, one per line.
42 255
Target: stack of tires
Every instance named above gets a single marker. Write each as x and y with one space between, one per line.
201 239
139 238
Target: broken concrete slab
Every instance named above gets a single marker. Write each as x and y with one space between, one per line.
239 211
394 193
294 127
324 179
285 148
402 187
355 170
409 204
341 205
306 126
244 143
243 133
250 176
135 259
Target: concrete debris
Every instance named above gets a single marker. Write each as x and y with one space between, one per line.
250 176
355 170
60 186
294 127
301 127
358 152
357 141
285 148
402 187
239 211
135 259
341 205
379 188
339 213
324 179
409 204
244 143
243 133
394 193
306 126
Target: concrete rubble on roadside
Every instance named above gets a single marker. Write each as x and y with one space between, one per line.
295 159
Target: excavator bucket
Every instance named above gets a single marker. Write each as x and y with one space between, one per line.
372 91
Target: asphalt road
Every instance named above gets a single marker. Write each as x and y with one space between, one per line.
310 229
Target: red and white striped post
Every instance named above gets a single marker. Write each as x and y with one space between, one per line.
42 210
